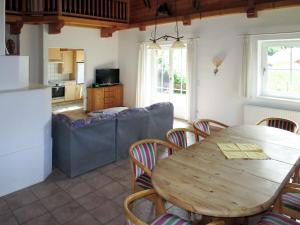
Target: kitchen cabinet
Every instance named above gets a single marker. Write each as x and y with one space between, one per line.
54 54
68 63
70 91
79 91
104 97
79 56
73 91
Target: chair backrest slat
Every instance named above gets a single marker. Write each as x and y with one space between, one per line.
280 123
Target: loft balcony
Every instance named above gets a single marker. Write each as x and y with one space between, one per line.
108 14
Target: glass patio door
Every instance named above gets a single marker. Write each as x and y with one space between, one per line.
170 82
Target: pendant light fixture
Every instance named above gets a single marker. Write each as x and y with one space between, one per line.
177 43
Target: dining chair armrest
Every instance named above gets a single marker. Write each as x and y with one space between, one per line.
130 199
292 187
169 145
201 133
139 164
218 123
219 222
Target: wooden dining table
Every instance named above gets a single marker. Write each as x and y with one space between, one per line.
201 180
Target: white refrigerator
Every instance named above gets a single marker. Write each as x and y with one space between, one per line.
80 73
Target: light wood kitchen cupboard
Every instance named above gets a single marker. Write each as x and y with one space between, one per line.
68 62
70 91
104 97
54 54
79 91
79 56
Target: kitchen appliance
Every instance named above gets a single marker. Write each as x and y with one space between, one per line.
58 91
80 72
107 77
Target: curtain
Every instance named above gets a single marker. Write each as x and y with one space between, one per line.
249 65
192 62
146 68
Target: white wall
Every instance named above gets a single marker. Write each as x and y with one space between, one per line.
25 131
2 27
217 96
31 44
99 52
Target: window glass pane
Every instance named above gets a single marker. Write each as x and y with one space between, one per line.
296 82
278 80
179 71
279 57
163 79
296 58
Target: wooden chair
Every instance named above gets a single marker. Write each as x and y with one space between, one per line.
163 217
203 126
143 155
275 218
289 201
179 137
280 123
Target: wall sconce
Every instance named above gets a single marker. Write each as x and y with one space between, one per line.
217 62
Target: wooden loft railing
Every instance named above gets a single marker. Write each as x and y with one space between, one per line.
114 10
108 10
14 7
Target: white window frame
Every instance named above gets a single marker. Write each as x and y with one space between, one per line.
262 72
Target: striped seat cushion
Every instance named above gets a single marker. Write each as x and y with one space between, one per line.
291 200
144 181
203 126
272 218
282 124
178 138
169 219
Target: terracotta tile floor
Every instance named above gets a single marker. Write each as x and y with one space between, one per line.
94 198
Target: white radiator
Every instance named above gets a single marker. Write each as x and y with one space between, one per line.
253 114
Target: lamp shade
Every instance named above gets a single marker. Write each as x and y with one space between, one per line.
178 44
154 45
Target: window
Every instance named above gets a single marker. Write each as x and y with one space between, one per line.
280 69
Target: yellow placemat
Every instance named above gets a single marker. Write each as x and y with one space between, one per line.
257 155
235 155
249 147
242 151
228 147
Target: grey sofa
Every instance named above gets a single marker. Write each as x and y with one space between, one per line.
85 144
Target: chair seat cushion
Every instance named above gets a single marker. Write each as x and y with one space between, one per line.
144 181
170 219
272 218
291 201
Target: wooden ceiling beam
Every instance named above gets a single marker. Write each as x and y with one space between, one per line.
55 28
213 11
16 27
251 11
186 21
142 27
107 32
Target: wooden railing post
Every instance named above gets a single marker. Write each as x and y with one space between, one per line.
59 7
24 8
128 11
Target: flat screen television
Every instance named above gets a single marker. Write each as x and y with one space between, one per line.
107 76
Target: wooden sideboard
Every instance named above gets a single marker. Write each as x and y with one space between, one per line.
104 97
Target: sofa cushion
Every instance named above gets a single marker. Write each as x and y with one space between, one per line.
107 111
85 121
